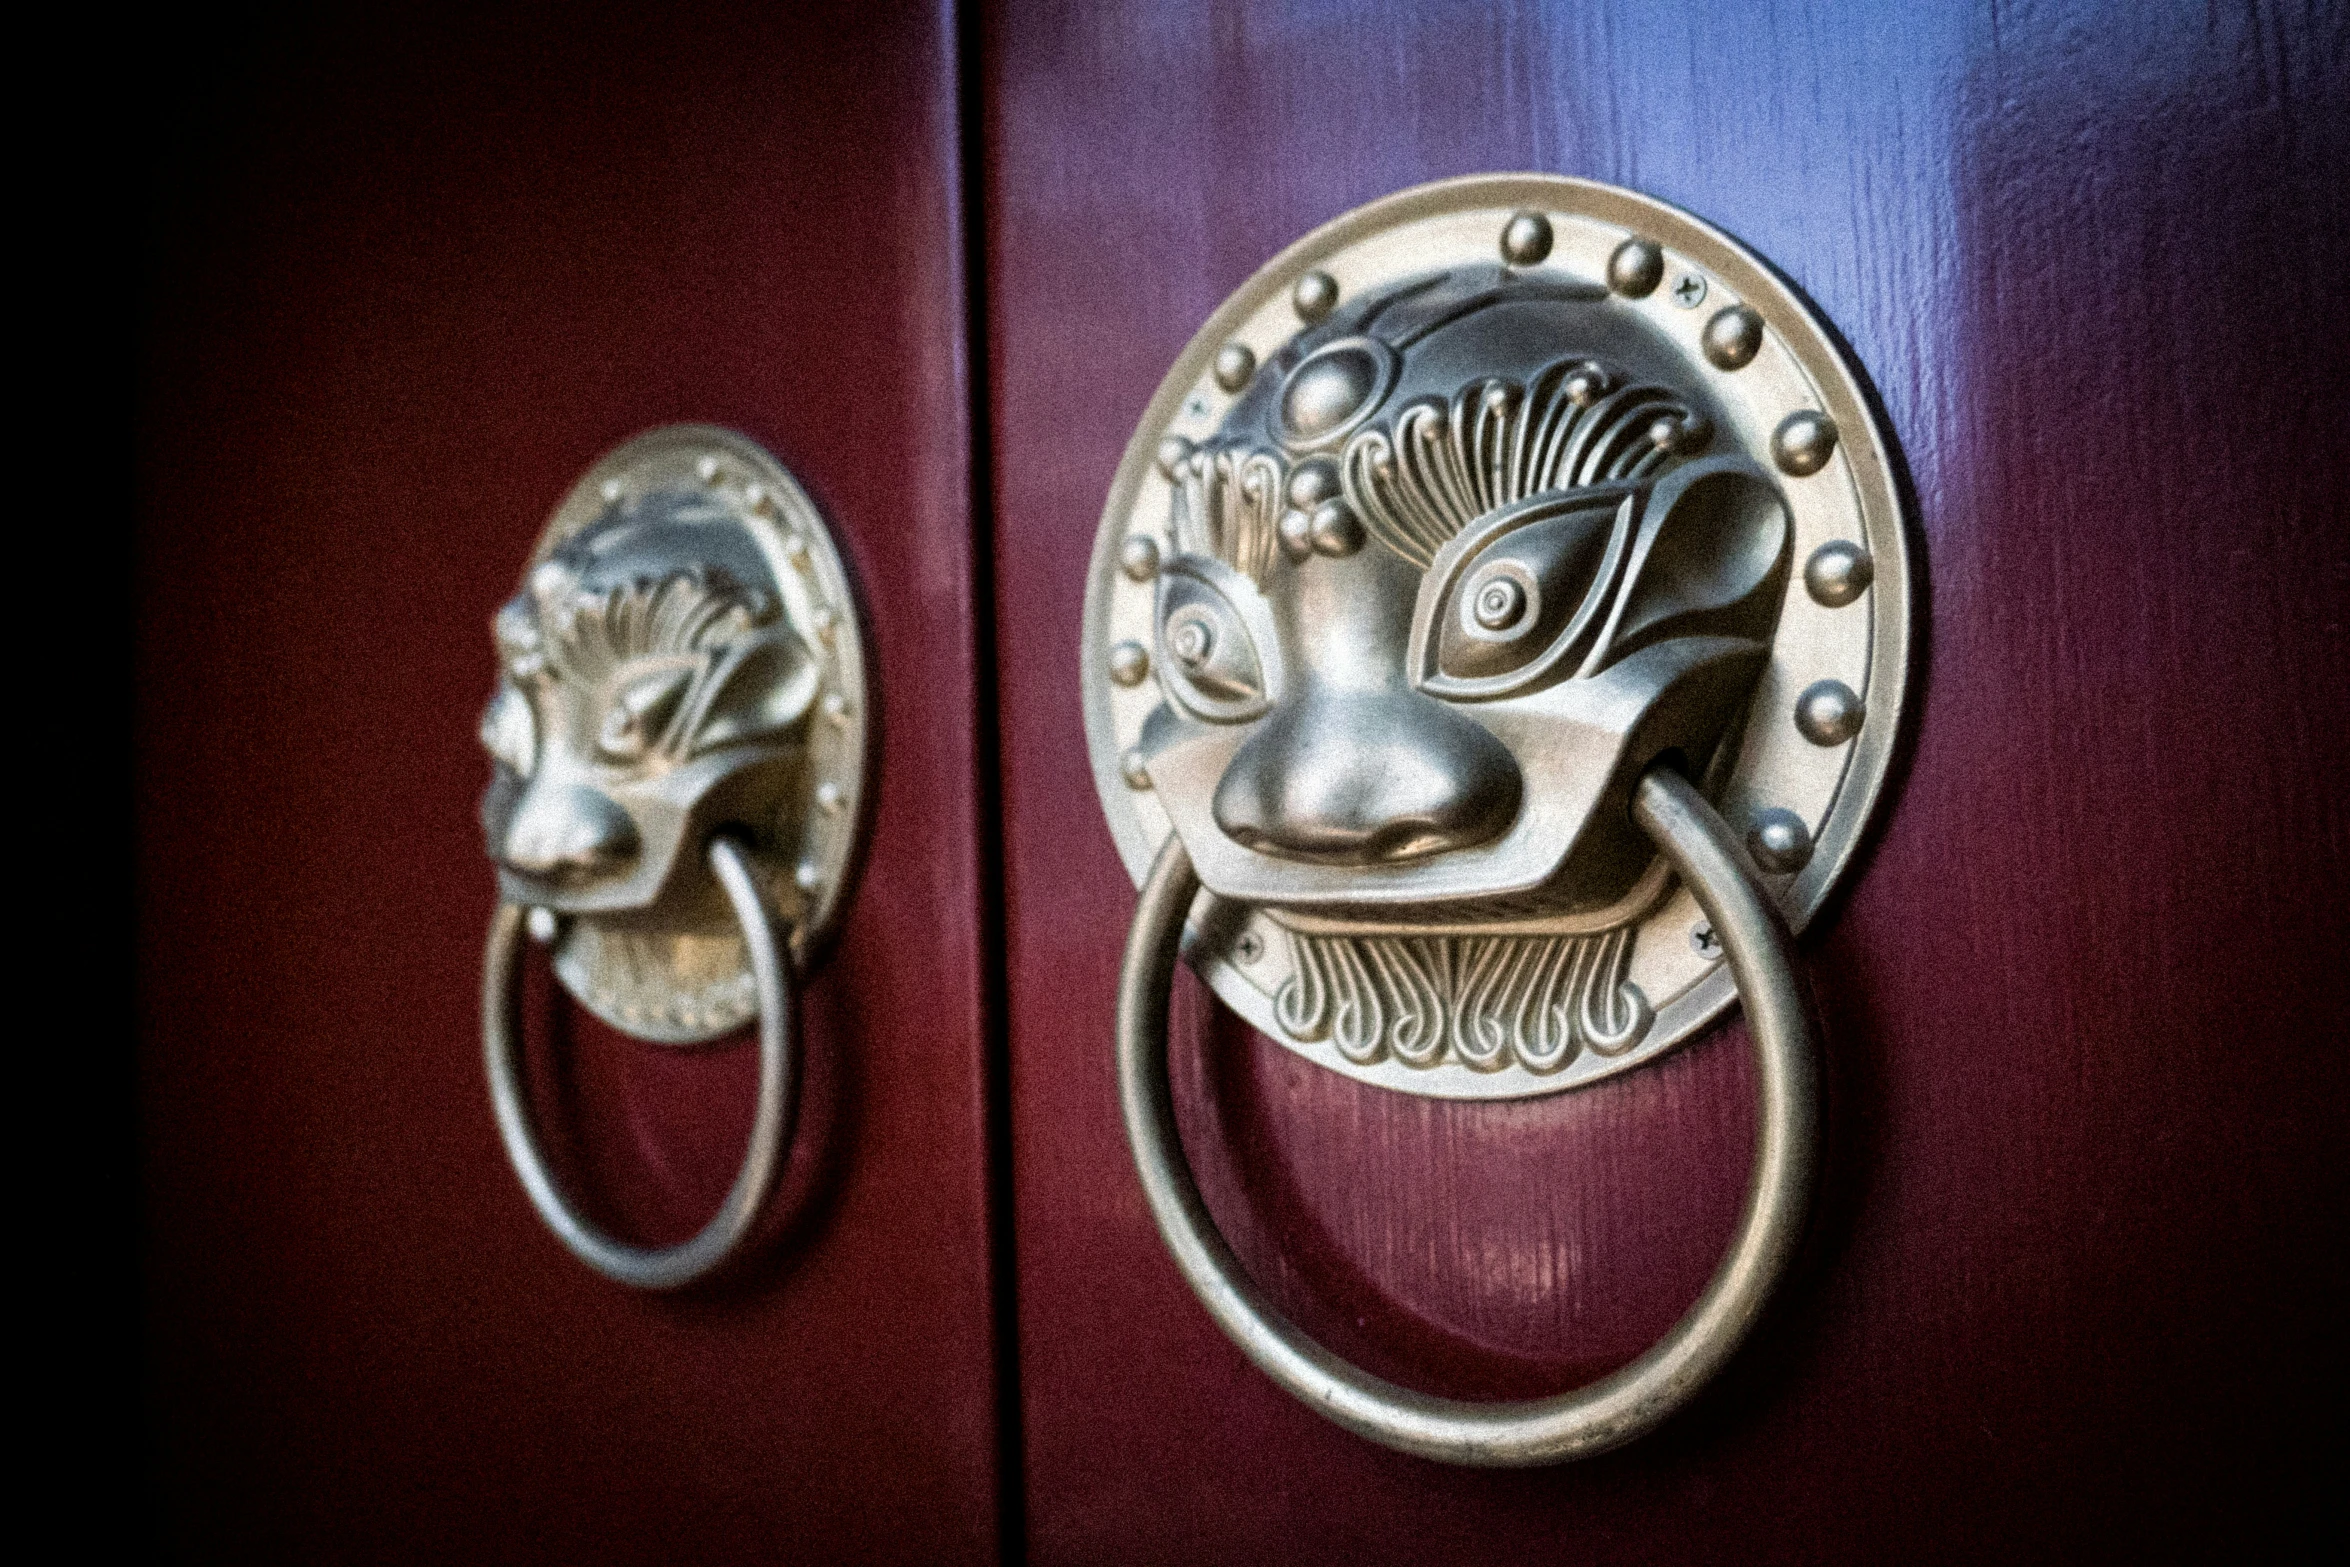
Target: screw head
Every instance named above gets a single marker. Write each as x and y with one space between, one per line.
1249 947
1704 941
1689 291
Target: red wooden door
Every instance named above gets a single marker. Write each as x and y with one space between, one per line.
2066 1296
426 271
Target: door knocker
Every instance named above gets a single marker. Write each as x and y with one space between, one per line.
678 743
1493 648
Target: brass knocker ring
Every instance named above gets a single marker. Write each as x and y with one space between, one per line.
654 1267
1696 842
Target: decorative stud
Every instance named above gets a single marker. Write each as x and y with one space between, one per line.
755 497
1296 530
827 624
1312 483
795 550
1134 770
1314 296
1802 443
1586 384
1172 454
1234 365
708 469
1779 841
1129 662
610 491
1838 572
1336 529
1138 557
1525 240
828 799
808 877
1682 433
1732 338
1636 268
1828 713
1331 390
542 924
836 708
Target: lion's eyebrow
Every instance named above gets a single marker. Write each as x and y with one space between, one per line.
1443 465
1227 503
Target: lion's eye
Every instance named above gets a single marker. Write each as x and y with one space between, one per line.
510 732
640 710
1529 588
1207 653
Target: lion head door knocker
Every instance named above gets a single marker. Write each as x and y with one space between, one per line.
678 741
1494 645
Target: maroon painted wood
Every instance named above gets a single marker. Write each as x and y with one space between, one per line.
427 273
2072 1291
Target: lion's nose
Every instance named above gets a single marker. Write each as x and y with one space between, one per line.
568 832
1366 780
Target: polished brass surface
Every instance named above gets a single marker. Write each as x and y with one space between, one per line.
1459 514
1706 857
678 746
685 653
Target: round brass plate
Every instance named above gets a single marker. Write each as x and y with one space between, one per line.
1819 732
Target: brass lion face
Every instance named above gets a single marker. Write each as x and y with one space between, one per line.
651 689
1455 568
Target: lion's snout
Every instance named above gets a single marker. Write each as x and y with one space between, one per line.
568 834
1367 779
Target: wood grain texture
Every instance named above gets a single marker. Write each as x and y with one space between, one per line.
429 270
2071 1294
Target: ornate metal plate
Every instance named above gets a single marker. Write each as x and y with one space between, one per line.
1471 359
702 602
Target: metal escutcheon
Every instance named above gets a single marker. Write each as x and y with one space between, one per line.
1494 647
679 746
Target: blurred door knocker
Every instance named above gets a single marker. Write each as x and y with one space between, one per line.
1493 648
678 740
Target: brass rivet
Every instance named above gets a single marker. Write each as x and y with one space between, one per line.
1803 442
1636 268
1314 297
1828 713
1234 365
1525 241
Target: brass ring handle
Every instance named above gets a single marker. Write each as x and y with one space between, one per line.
1620 1406
662 1267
